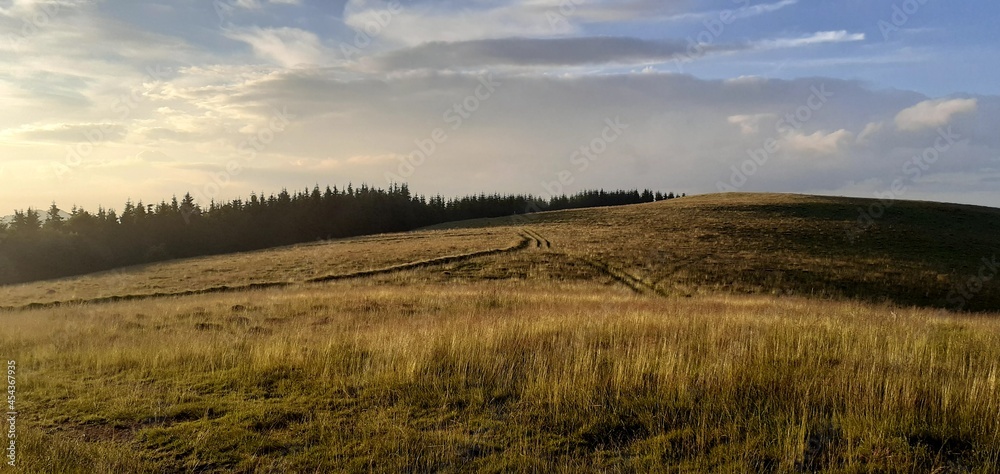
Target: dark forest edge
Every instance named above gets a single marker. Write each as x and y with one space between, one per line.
36 247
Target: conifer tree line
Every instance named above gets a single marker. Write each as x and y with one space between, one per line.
36 246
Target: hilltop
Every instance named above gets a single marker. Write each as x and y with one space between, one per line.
915 253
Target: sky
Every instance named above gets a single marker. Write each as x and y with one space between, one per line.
111 100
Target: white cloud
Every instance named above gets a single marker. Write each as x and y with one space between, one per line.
933 113
746 11
228 6
815 38
287 47
422 23
749 124
870 130
535 52
818 143
40 11
456 21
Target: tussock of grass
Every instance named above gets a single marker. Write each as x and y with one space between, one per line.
502 377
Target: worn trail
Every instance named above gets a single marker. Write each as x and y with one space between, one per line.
526 242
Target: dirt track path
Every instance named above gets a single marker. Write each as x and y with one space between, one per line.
527 241
530 239
636 284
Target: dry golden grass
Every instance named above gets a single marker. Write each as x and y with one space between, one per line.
606 346
393 375
288 264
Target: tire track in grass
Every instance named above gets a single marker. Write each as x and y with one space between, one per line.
621 276
672 274
633 282
534 240
525 243
541 241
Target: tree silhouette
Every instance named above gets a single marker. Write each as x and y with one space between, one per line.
142 233
53 218
26 222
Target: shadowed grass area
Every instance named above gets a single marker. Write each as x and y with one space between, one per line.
912 253
500 377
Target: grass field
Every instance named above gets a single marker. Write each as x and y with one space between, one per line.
742 333
294 264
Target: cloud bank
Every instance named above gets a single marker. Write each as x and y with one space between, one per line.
461 97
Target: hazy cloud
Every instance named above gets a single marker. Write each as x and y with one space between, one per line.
933 113
287 47
536 52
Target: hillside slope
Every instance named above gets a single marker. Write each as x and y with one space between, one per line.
917 253
560 343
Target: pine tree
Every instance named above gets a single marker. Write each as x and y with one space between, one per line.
26 221
54 220
189 209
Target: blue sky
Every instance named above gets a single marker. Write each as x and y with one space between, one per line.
110 100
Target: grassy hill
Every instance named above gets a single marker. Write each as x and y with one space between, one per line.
732 333
917 253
